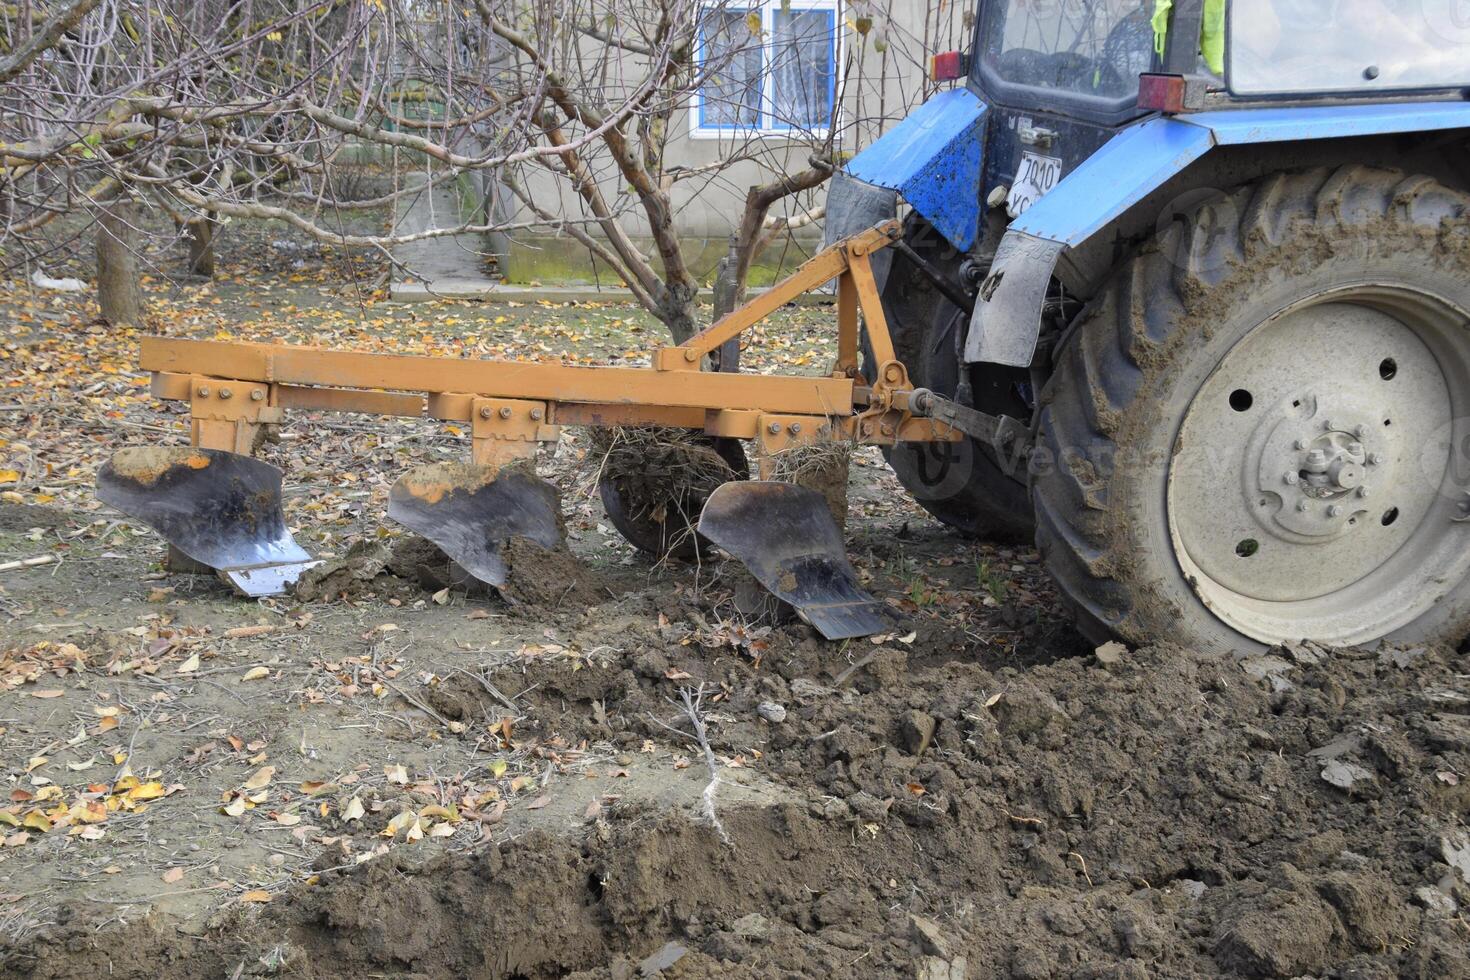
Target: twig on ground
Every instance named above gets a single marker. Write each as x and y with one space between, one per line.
693 708
35 562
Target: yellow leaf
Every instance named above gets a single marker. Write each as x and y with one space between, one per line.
190 665
9 476
256 895
9 819
126 784
255 673
36 820
753 21
262 778
234 808
147 791
353 810
497 768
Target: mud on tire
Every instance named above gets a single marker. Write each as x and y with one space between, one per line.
1127 375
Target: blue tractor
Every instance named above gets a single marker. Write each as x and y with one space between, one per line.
1207 265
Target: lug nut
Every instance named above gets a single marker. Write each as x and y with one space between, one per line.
256 395
774 428
505 412
1291 478
1362 491
1335 510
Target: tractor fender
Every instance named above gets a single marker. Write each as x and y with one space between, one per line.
933 158
1127 169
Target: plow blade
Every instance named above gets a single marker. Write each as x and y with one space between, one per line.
471 513
221 509
785 535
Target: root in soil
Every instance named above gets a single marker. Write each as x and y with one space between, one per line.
819 466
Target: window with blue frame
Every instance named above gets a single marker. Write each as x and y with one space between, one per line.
768 67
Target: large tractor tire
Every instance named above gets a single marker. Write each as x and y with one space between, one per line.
1257 433
963 484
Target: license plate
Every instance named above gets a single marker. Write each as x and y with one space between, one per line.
1035 176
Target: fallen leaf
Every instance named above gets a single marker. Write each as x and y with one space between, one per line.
256 895
17 839
241 632
353 810
288 819
189 666
173 875
262 778
538 802
255 673
234 808
396 775
48 693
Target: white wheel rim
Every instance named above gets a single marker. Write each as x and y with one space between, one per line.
1311 492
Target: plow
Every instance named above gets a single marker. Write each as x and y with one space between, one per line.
221 509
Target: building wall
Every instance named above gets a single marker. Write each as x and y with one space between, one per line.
881 76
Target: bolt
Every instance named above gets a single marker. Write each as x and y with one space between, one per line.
774 428
1301 444
1360 431
1362 491
536 414
204 391
505 412
1335 510
1355 449
226 393
256 395
1316 458
1292 478
1377 458
1327 424
485 412
1303 506
795 428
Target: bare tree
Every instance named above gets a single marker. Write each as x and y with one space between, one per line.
210 111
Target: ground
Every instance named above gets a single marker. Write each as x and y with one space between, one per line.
393 778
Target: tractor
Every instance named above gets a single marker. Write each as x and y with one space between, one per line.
1181 290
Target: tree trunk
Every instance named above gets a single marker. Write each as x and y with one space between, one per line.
118 293
199 233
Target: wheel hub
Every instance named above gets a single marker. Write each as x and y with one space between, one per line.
1325 465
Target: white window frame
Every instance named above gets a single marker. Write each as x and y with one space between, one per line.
768 125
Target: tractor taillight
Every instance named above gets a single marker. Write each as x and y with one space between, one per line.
948 66
1162 93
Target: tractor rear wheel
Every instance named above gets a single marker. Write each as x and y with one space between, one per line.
1258 432
962 484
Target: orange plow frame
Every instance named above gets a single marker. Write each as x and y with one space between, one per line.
510 406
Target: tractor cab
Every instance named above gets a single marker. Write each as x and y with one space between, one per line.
1061 78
